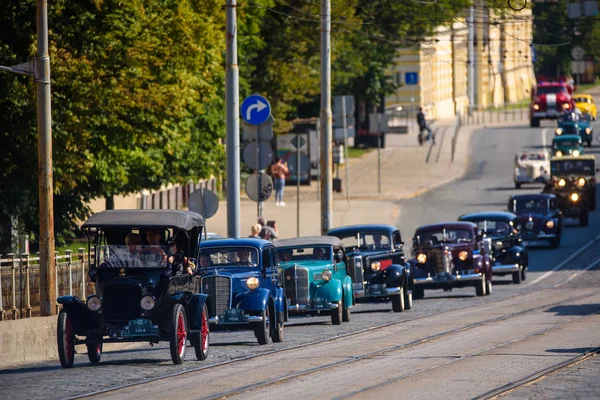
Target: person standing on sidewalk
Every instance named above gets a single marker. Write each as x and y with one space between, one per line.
423 125
279 170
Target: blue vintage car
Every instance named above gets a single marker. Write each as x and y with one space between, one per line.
377 264
241 278
574 124
538 217
509 255
315 277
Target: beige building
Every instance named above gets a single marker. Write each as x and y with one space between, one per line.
502 60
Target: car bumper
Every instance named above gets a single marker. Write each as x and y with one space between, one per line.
505 268
546 114
449 279
248 320
538 236
300 308
363 293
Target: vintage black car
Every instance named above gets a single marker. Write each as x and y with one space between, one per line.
451 255
142 263
377 264
241 277
538 218
573 181
509 255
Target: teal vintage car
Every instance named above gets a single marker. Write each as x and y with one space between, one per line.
575 124
567 145
315 278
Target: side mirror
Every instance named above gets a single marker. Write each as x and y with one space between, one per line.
339 256
487 245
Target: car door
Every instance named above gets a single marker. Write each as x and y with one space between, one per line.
339 265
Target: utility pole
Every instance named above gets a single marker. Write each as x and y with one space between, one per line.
326 119
232 118
471 58
46 189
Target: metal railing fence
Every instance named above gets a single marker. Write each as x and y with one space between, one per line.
509 112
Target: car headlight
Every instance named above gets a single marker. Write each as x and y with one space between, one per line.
574 197
326 275
550 224
147 303
94 303
376 266
558 153
536 107
558 131
252 283
422 258
463 255
575 153
498 245
581 182
566 106
562 183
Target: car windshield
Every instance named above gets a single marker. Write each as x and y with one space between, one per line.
433 237
551 89
131 256
568 117
231 256
536 206
561 167
533 157
570 129
493 228
306 253
365 241
565 143
582 100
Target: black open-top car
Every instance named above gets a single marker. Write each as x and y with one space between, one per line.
143 266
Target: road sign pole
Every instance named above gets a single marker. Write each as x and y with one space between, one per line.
259 203
326 118
232 101
379 153
298 188
345 128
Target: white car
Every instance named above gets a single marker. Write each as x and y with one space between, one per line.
531 167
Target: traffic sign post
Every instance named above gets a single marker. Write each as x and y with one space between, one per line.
206 203
412 79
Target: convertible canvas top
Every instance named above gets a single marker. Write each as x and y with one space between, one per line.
184 220
309 241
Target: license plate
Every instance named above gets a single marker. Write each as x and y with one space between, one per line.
139 327
442 277
357 286
552 113
320 304
234 315
376 289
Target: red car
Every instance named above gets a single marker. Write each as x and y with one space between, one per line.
549 100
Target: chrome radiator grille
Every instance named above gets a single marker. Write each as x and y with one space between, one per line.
295 284
218 289
439 261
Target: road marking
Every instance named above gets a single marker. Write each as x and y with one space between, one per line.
544 137
591 242
592 265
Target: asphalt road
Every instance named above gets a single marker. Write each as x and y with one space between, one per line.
486 186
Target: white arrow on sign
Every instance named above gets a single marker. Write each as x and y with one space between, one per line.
259 105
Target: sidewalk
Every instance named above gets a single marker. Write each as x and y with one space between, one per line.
407 170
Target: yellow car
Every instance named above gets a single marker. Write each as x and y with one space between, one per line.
585 103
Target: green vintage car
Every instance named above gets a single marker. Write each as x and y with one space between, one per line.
567 145
574 124
315 278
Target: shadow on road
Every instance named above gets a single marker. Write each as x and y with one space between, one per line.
577 350
581 309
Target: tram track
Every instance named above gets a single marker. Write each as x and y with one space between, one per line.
363 356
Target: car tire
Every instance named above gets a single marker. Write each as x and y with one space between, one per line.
201 343
524 273
517 185
398 301
488 287
418 293
593 200
408 297
65 339
346 316
276 328
534 123
516 276
178 334
555 242
94 351
584 219
480 287
336 313
261 329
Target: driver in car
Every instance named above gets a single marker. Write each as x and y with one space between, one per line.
244 256
318 253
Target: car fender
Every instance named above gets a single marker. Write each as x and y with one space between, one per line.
253 300
348 292
83 320
194 310
280 305
517 254
394 275
332 290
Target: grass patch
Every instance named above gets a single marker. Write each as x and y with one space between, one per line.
356 152
71 245
587 86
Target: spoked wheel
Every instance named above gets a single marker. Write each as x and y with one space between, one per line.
261 329
277 328
336 314
94 351
201 344
480 287
346 313
398 301
418 293
408 296
178 334
65 340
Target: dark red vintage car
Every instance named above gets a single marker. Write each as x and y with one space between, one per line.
549 100
451 255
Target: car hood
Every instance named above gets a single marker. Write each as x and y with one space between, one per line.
312 265
368 253
233 272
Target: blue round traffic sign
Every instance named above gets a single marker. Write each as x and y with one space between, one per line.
255 109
